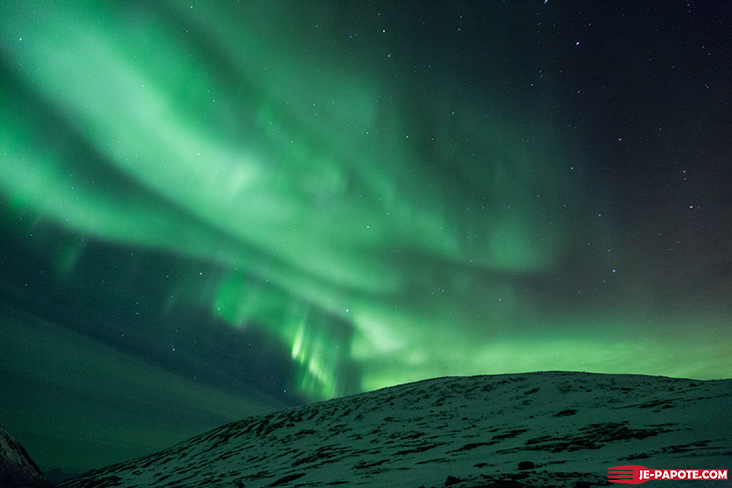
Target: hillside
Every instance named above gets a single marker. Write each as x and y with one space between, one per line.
536 429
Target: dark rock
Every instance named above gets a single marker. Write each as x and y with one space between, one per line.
287 479
526 465
17 469
451 480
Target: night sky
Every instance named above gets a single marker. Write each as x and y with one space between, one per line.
210 211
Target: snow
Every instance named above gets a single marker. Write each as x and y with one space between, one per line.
571 426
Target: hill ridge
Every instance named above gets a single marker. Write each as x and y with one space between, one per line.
567 426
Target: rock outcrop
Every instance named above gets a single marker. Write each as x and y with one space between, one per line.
17 469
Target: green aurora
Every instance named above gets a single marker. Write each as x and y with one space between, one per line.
314 176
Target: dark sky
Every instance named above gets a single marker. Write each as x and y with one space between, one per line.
209 212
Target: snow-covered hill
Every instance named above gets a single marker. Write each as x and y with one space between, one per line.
536 429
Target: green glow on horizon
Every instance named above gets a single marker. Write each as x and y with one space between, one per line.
304 183
615 348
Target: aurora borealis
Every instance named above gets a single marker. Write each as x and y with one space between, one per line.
212 210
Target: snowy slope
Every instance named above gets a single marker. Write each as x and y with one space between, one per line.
571 426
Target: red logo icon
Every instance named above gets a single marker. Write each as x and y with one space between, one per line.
630 475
